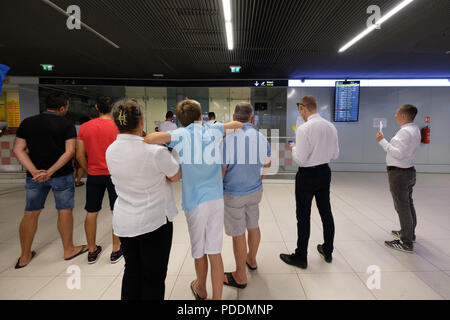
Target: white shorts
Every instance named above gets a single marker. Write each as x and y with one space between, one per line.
205 225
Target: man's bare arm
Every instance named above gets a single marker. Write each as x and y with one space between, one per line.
158 138
65 157
19 149
234 125
81 155
176 177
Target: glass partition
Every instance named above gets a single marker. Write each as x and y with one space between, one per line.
269 104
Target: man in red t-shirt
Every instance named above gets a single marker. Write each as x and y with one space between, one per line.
94 138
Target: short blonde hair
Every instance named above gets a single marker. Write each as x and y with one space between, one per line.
188 111
309 103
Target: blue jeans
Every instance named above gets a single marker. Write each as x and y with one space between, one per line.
63 189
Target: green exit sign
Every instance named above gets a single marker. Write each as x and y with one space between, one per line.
235 69
47 67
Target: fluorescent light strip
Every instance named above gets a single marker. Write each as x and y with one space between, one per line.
229 28
228 23
227 10
99 35
374 83
383 19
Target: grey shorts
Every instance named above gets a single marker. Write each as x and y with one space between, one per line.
241 213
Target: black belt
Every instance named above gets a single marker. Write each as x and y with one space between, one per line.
320 166
391 168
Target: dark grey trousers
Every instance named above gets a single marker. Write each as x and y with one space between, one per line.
401 184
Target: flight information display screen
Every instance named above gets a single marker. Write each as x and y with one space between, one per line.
346 104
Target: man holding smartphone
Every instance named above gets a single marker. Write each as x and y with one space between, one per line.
317 144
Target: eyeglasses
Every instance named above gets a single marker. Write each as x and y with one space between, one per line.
300 104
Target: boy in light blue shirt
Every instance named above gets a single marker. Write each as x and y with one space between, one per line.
246 153
201 158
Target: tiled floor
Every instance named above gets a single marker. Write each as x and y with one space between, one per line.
364 217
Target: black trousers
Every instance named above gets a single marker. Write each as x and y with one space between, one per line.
310 183
146 258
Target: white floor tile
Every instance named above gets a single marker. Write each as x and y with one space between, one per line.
21 288
363 254
438 281
272 287
334 286
402 286
91 288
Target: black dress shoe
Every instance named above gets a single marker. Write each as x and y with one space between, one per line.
328 257
294 260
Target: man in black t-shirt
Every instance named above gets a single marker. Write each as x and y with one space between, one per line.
44 145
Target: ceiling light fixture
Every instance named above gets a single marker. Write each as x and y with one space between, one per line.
228 23
383 19
62 11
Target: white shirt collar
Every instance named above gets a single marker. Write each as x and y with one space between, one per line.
126 136
313 116
408 125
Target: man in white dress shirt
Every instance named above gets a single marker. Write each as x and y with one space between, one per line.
317 144
402 175
169 124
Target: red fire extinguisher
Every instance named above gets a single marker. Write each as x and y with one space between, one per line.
426 134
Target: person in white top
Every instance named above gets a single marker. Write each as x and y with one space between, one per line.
402 175
316 145
169 124
211 119
145 207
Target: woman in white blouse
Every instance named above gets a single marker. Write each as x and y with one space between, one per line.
145 207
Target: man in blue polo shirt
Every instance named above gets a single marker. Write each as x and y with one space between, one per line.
246 153
201 158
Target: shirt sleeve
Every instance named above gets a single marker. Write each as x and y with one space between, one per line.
166 162
218 126
336 147
175 137
22 131
81 133
398 146
71 132
302 150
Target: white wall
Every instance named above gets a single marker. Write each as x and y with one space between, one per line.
359 149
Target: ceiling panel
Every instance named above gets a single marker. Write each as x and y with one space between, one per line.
185 39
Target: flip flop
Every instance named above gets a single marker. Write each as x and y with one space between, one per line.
79 184
83 249
232 282
17 266
197 297
250 267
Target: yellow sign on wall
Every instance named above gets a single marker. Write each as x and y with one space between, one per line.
13 109
3 107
